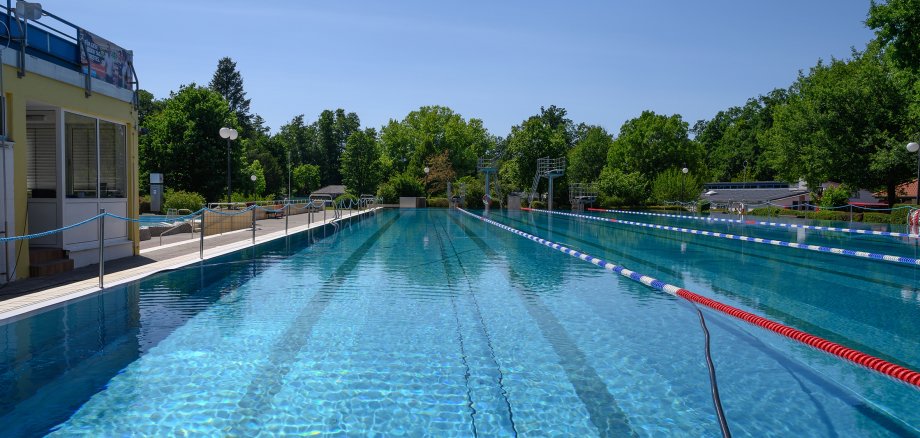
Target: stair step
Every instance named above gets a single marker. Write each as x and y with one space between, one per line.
51 267
40 255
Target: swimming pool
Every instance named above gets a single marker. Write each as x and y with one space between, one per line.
430 322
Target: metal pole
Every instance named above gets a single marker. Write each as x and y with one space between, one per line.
487 199
229 189
549 202
287 212
201 237
289 173
253 226
101 246
851 212
917 199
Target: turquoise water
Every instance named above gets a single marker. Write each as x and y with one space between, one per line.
431 322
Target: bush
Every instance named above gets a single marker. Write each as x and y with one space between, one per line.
346 201
407 185
899 216
388 194
617 188
673 185
835 196
475 189
180 199
881 218
538 205
766 211
438 203
144 203
831 215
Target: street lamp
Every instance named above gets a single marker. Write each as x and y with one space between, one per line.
914 148
229 134
682 178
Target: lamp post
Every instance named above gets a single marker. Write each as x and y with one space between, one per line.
289 174
682 178
914 148
229 134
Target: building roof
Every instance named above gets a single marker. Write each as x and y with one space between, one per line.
907 190
751 195
334 190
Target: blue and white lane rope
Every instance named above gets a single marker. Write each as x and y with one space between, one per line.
764 223
825 249
898 372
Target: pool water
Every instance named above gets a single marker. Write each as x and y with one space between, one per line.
431 322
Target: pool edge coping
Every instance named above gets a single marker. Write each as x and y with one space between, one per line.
36 301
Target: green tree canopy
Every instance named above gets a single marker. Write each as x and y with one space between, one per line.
653 143
732 140
228 82
182 142
428 131
844 122
897 23
331 131
587 158
548 134
361 162
304 179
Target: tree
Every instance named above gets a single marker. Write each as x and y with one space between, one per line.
587 158
256 187
440 172
548 134
732 140
844 121
406 145
305 179
361 162
228 82
182 142
331 131
146 105
653 143
897 23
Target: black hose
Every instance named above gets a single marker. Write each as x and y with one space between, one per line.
714 385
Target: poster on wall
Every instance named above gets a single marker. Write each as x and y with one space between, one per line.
104 60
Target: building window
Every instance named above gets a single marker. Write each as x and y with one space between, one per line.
112 160
41 177
96 157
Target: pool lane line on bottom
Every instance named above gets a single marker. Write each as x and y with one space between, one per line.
882 366
764 223
910 261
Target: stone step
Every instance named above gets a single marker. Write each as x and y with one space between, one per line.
51 267
40 255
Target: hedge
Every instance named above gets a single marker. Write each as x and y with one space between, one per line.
438 203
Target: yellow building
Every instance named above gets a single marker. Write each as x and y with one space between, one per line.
69 145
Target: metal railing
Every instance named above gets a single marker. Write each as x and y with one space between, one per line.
201 215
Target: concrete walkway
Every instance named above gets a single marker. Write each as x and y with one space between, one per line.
175 251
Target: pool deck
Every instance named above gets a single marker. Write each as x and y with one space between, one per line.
27 295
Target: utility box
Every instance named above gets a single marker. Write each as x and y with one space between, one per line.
156 191
412 202
514 201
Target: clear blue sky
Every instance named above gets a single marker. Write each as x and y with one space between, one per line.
605 62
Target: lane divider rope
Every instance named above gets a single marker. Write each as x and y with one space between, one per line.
818 248
882 366
764 223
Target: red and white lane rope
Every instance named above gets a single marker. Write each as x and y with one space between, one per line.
880 365
817 248
764 223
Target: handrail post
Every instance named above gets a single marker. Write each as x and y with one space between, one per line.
253 225
101 247
201 237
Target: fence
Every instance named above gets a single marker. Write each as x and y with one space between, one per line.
211 221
